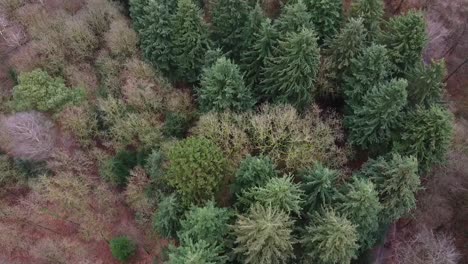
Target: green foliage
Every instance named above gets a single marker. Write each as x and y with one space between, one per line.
370 68
8 173
196 169
291 72
208 223
330 239
138 13
190 41
360 205
264 236
326 16
405 36
200 252
122 248
176 125
426 83
252 172
222 88
39 91
294 18
319 185
372 12
166 218
117 169
229 19
427 134
373 123
396 179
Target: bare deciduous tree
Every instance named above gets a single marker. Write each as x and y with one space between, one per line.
12 34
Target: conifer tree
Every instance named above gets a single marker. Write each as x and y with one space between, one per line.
372 12
166 218
373 122
427 134
138 13
294 18
330 239
222 88
199 252
326 16
290 74
190 41
264 236
426 83
405 37
360 204
319 185
396 179
254 171
229 19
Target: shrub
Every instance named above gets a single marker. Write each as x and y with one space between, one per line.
196 168
426 83
330 239
9 175
120 167
319 184
167 216
155 165
254 172
191 252
122 248
136 194
280 193
81 121
264 236
39 91
176 125
99 14
108 70
80 40
293 19
121 39
290 74
326 16
372 12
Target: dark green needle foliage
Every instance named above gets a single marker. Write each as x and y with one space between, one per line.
319 184
360 204
208 223
397 181
426 83
291 72
372 12
190 40
254 24
122 248
138 13
405 36
294 18
252 172
167 216
330 239
176 124
281 193
373 122
264 235
327 16
427 134
370 68
229 19
199 252
222 88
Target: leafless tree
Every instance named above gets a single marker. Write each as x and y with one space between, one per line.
12 34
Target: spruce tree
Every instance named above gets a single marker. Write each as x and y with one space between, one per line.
229 19
373 123
264 236
329 239
190 41
222 88
138 13
426 134
372 12
252 172
397 181
319 185
426 83
290 74
326 16
166 218
360 204
405 37
294 18
199 252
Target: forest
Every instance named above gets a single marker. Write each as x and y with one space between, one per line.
229 131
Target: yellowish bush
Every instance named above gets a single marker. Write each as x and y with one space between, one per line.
179 101
80 121
121 39
77 162
109 71
82 75
79 40
136 194
99 14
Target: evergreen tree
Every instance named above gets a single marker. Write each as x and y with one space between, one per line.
281 193
326 16
138 13
166 218
330 239
264 236
370 68
426 83
427 134
372 12
396 179
373 122
252 172
291 72
229 19
294 18
319 185
199 252
360 204
405 37
222 88
190 41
